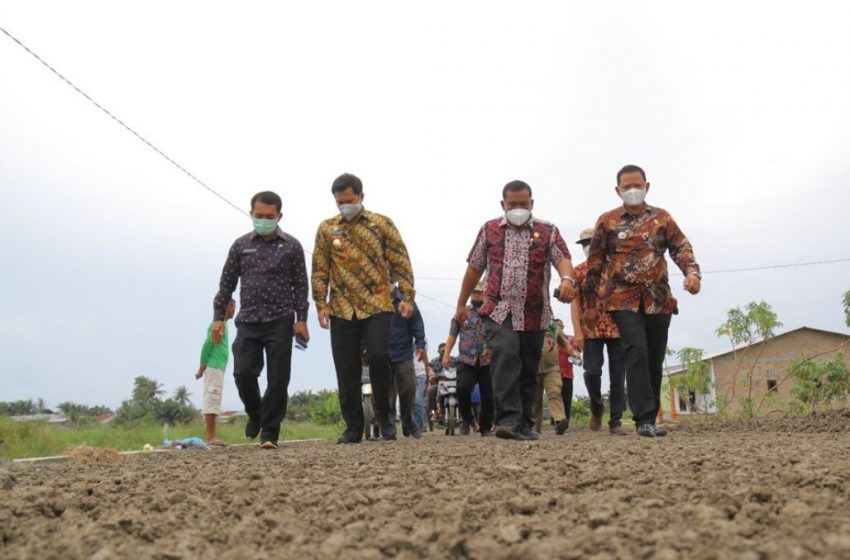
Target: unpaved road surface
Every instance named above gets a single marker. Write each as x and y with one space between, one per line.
763 490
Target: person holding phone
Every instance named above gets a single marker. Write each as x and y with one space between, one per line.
269 265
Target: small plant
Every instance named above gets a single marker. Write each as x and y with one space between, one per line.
695 376
820 384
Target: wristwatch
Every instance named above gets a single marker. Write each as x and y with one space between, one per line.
697 274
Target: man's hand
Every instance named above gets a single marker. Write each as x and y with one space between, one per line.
447 360
405 309
567 291
487 354
422 355
325 318
200 373
460 313
217 332
301 328
578 343
692 284
590 318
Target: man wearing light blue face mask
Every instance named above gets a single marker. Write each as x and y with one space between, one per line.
270 266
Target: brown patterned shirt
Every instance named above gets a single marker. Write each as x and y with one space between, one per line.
606 327
357 261
631 250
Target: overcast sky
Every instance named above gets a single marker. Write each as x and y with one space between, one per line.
737 110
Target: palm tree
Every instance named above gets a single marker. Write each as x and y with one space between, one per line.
181 395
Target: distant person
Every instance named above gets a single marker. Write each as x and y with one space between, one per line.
269 266
518 252
407 343
473 364
357 255
549 381
604 335
629 242
213 363
422 369
565 354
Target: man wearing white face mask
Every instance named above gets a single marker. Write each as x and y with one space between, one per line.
605 334
517 252
357 255
628 245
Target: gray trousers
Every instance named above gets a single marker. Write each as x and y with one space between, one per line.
403 381
516 357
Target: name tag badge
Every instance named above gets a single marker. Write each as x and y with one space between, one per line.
248 251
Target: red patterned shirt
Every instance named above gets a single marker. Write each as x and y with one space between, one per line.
631 250
518 261
606 327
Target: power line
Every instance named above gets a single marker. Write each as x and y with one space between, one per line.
119 121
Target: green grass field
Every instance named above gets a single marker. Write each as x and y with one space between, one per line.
37 439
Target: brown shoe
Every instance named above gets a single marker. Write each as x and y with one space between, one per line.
617 431
595 422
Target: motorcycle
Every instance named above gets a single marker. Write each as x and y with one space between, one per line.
447 395
370 423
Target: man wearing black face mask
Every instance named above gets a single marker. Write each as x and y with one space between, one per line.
473 363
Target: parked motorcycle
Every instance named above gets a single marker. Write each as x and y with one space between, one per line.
447 394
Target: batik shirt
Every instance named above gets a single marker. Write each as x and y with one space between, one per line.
631 250
606 327
518 263
358 260
471 339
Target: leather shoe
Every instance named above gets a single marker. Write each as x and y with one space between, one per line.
345 438
618 431
561 427
646 430
660 431
464 428
252 429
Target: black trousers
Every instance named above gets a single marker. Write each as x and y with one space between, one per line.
567 397
467 377
347 340
403 386
516 357
644 339
593 362
252 340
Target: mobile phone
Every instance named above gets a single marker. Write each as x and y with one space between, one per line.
300 342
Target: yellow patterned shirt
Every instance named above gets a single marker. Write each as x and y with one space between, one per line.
358 261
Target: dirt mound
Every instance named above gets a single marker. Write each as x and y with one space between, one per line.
718 494
819 423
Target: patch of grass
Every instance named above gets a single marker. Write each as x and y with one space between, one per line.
38 439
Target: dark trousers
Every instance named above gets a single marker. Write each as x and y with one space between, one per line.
516 357
467 377
403 386
644 339
347 340
275 339
567 397
593 362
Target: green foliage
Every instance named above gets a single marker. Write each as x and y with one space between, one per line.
847 308
39 439
580 409
325 408
18 408
695 376
80 412
146 405
298 407
820 384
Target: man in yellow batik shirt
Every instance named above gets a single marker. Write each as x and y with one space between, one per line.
358 254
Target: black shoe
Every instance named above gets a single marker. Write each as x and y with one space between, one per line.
268 444
347 438
646 430
388 432
252 429
464 428
487 433
660 431
506 432
561 427
528 433
416 434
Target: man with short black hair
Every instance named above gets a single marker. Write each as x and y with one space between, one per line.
269 266
517 252
628 244
358 254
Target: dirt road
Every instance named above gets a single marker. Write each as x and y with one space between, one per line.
744 491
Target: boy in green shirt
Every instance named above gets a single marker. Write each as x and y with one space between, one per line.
213 363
